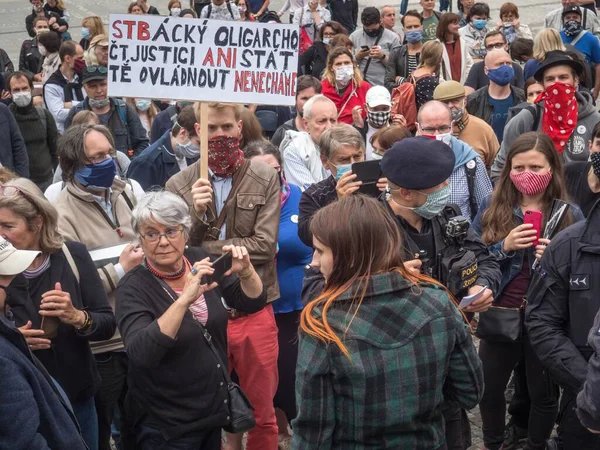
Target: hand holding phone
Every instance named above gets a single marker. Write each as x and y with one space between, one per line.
368 172
535 219
221 266
519 238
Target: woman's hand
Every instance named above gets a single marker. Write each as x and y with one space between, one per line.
541 247
413 266
240 259
34 337
519 238
483 303
57 303
357 118
193 287
346 185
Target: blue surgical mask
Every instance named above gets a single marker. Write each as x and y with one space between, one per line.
502 75
189 150
342 169
143 104
85 33
97 176
480 23
414 36
433 205
326 40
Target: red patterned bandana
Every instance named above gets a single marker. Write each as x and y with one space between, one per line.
560 113
224 155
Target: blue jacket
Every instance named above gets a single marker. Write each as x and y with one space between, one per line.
155 165
34 414
512 262
13 153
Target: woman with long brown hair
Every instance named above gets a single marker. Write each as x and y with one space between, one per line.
375 337
531 180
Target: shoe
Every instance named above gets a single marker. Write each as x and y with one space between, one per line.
514 435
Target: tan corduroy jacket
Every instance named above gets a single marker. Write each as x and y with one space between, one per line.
479 135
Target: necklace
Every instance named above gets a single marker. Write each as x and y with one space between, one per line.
167 276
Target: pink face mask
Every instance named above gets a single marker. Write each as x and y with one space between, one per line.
530 183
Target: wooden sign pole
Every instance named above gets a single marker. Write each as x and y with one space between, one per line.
204 140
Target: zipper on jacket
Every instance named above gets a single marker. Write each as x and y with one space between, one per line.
114 225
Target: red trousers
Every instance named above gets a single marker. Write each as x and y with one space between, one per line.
253 352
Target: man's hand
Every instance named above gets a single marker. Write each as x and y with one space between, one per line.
201 196
376 53
541 247
413 266
357 116
346 185
362 54
131 257
5 94
483 303
313 6
382 184
37 77
398 119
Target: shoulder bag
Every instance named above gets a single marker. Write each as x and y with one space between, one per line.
499 324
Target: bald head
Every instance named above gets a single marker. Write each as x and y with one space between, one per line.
496 58
434 111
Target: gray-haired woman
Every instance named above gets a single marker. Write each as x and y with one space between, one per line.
177 392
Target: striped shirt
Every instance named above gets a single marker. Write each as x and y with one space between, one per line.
413 61
198 309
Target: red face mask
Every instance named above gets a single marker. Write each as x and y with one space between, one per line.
224 155
560 113
530 183
79 65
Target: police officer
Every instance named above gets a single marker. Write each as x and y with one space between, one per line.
563 300
417 170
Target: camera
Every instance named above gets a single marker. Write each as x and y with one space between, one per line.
457 227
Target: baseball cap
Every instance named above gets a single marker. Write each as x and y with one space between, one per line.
13 261
378 96
91 73
570 9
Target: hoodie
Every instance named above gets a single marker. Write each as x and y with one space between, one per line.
301 159
577 146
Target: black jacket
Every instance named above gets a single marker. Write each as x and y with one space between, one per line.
397 67
34 414
70 360
163 122
345 12
589 397
314 60
30 18
13 153
176 383
30 58
317 196
564 301
68 88
155 165
478 103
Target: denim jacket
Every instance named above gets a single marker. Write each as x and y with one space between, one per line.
512 262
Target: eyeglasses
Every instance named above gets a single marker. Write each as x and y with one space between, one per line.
498 46
99 158
99 69
431 130
153 237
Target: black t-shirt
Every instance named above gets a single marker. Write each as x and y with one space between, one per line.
424 239
576 174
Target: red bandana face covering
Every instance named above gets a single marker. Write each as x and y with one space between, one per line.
224 155
560 113
530 183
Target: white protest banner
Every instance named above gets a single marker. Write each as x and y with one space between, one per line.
203 60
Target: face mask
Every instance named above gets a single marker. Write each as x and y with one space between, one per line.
480 23
595 158
561 113
42 50
326 40
530 183
341 170
344 74
97 176
175 12
572 28
224 155
79 65
457 114
22 99
414 36
85 33
373 33
502 75
378 119
98 104
41 31
507 24
433 205
376 156
143 104
189 150
446 138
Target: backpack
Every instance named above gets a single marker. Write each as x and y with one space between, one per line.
229 8
404 101
269 16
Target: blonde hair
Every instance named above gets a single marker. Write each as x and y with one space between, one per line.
251 128
85 117
95 25
29 203
546 41
431 54
237 109
61 5
335 53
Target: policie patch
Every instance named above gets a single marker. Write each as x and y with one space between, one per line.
579 282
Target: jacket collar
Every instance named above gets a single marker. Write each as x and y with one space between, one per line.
380 284
590 240
116 189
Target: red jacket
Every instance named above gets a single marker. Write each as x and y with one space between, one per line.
358 99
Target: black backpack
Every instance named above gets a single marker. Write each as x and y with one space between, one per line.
269 16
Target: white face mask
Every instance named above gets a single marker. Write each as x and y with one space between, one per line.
42 50
175 12
22 99
445 138
344 74
376 156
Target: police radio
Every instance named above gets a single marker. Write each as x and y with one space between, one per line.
458 266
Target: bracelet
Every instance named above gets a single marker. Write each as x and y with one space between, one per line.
87 323
247 275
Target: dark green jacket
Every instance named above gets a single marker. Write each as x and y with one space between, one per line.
411 352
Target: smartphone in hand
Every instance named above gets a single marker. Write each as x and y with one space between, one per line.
534 218
221 265
369 172
50 326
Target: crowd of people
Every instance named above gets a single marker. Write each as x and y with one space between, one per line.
356 272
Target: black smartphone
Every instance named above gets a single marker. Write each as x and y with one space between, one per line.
368 172
221 265
365 48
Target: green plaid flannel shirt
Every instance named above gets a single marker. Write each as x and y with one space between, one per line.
411 354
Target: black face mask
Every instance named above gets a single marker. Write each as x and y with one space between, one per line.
373 33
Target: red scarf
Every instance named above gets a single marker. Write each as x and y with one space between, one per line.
224 155
560 113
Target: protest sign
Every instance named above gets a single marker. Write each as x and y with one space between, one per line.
204 60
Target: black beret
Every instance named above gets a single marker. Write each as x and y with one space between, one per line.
418 163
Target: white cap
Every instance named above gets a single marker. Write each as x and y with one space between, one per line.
377 96
13 261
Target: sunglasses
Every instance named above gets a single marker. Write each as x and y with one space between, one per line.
94 69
